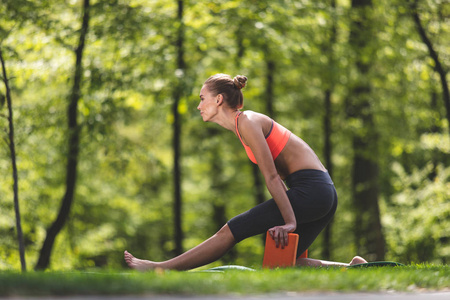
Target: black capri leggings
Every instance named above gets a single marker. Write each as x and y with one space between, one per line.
313 199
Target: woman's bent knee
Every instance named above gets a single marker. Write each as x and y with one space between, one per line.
226 234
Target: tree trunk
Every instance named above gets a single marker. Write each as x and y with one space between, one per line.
369 238
12 148
270 70
73 148
177 208
327 126
327 246
434 55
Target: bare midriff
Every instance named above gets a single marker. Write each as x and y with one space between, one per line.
297 155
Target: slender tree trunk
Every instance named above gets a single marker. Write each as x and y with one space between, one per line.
12 149
240 45
73 147
327 125
434 128
177 132
369 238
327 245
434 55
270 70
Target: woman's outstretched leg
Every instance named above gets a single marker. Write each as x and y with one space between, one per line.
207 252
309 262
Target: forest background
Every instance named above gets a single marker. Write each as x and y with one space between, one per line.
111 153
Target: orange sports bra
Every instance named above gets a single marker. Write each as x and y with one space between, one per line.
276 139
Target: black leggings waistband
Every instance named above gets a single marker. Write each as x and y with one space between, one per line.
301 177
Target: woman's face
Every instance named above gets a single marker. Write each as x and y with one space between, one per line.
208 104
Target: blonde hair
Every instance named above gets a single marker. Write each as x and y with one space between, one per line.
229 88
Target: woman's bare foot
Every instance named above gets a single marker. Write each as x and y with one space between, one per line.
138 264
357 260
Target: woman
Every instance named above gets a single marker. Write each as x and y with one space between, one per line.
305 208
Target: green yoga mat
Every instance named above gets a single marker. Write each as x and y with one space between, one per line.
377 264
222 269
228 268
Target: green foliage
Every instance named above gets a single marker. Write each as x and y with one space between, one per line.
422 203
124 189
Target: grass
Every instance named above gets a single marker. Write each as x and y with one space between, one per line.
408 278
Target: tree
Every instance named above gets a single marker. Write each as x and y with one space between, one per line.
367 227
438 65
73 149
177 94
328 115
12 149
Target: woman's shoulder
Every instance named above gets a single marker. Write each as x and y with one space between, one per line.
253 117
250 121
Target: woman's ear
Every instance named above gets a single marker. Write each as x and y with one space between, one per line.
219 99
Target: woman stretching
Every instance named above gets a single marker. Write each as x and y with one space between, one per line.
305 208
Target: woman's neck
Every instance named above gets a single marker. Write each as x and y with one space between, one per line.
226 119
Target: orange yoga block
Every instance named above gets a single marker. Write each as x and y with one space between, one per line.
304 254
277 257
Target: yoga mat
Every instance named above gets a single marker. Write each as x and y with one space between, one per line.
228 268
377 264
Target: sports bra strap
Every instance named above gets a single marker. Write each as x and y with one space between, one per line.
276 139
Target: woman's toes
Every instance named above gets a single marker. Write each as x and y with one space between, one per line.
358 260
135 263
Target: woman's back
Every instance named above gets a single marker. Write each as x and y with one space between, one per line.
296 154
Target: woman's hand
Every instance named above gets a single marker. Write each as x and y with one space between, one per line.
280 234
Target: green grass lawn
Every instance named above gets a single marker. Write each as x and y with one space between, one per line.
408 278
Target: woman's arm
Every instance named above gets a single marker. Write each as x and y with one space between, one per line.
251 132
284 185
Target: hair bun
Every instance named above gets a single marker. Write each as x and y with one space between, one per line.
240 81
